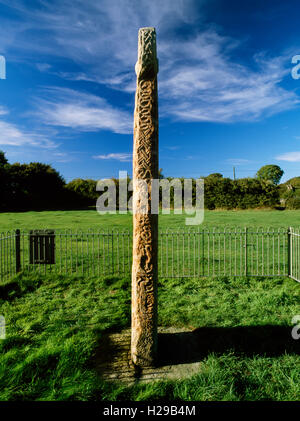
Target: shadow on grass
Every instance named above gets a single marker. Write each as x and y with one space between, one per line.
189 347
112 359
14 289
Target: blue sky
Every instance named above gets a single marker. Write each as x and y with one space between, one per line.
226 95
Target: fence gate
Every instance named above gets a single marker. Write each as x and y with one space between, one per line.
42 247
294 254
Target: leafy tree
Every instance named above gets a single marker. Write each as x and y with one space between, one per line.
3 160
215 175
218 192
293 202
5 184
35 186
290 193
84 188
39 186
242 193
254 193
82 192
271 173
292 182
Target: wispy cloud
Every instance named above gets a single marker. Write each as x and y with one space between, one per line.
238 161
289 156
173 148
3 110
81 111
200 78
29 153
86 31
63 157
123 157
192 157
212 87
43 67
12 135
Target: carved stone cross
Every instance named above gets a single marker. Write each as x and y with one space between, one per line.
145 224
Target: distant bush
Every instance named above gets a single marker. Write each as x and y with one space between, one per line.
289 193
38 186
293 202
31 186
242 193
293 182
84 191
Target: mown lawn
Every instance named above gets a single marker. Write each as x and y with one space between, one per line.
90 219
55 324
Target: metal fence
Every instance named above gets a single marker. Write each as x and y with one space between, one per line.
7 255
294 254
205 252
224 252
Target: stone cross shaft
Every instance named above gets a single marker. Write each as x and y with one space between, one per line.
145 224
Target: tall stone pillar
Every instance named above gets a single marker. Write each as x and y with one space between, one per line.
145 224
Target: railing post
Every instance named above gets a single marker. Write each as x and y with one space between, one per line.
112 252
18 251
289 251
246 252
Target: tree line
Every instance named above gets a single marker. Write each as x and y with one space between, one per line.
38 186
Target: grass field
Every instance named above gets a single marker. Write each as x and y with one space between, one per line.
191 253
54 323
91 219
180 254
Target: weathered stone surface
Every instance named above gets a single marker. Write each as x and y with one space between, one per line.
180 356
145 225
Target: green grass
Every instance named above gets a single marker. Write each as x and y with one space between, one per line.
193 254
91 219
178 255
55 325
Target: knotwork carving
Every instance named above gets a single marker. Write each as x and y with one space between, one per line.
147 64
145 226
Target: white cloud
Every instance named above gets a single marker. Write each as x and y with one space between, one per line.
173 148
289 156
82 112
238 161
12 135
3 110
43 67
86 31
63 157
123 157
212 87
28 153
